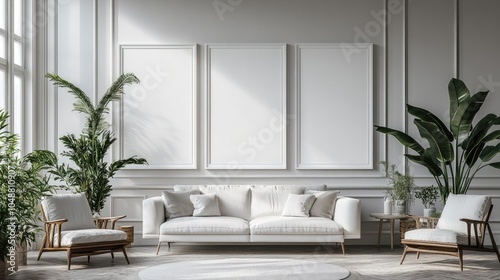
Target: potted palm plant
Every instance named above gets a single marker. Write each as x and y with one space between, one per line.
456 154
400 188
90 172
22 184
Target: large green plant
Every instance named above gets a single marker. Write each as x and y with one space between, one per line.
90 173
454 155
22 184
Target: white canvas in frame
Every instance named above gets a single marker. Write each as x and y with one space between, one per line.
334 106
158 116
246 106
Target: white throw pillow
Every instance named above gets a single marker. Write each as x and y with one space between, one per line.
324 205
205 205
269 200
298 205
73 207
178 204
234 200
463 206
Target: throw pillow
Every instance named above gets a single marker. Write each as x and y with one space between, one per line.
178 204
324 205
298 205
205 205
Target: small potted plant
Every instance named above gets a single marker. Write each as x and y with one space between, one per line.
400 188
428 196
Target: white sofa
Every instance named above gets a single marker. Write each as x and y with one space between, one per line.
252 213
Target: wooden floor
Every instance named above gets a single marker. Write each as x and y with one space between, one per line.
364 262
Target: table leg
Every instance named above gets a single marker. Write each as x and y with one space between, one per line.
379 231
391 221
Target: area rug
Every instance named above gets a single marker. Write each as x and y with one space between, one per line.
245 269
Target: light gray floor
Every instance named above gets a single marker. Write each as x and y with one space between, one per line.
364 262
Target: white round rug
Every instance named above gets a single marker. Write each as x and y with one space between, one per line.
245 268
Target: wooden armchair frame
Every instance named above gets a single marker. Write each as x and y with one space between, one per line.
77 250
454 249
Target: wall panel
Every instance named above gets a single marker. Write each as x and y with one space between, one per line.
334 107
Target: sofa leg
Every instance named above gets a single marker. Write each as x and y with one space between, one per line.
168 245
158 248
343 248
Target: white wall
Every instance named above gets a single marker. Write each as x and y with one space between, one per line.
421 45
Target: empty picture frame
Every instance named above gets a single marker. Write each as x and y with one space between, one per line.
159 115
334 106
246 106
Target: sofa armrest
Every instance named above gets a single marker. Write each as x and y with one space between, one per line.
348 215
153 215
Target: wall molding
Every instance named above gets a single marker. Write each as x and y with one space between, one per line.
113 203
343 48
190 163
236 160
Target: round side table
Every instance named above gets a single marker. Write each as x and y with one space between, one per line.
390 218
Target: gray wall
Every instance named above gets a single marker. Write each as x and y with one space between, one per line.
421 45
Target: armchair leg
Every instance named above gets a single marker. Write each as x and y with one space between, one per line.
125 254
418 255
461 259
40 253
112 255
343 248
493 243
69 259
404 255
88 259
158 248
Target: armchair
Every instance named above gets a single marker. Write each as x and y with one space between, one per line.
69 226
462 226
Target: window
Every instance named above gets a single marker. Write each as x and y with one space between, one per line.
12 60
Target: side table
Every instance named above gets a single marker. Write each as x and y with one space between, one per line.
390 218
129 230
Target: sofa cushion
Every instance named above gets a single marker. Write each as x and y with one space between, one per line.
73 207
269 200
205 205
178 204
85 236
463 206
324 205
294 225
205 225
437 235
298 205
234 200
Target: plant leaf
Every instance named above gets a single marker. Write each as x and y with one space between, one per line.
402 137
494 165
479 131
461 122
458 92
426 162
82 103
429 117
438 142
490 152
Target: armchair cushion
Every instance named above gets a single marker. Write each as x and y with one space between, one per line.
437 235
86 236
463 206
73 207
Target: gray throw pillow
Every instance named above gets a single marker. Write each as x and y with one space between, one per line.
324 205
205 205
178 204
298 205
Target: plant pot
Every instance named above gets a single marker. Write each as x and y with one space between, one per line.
22 255
429 212
399 207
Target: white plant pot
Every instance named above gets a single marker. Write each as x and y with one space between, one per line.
399 207
429 212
